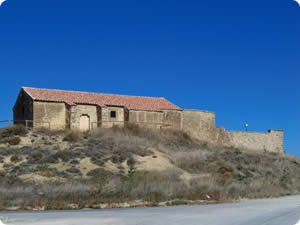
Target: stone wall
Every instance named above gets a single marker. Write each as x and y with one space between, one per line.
172 119
80 110
154 119
23 109
195 121
201 125
149 119
255 141
49 114
108 121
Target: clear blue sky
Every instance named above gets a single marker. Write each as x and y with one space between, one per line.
240 59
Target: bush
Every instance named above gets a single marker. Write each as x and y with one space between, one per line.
2 173
178 136
75 162
285 181
115 159
72 136
36 156
47 173
50 159
14 130
66 155
131 162
225 169
100 176
15 158
73 170
14 140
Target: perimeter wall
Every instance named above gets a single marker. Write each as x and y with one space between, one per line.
201 125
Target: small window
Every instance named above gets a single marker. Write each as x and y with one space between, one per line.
113 114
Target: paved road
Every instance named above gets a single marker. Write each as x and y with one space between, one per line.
284 211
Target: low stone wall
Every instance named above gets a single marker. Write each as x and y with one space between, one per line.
271 141
201 125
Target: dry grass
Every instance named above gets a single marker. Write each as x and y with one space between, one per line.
72 136
13 140
209 172
13 131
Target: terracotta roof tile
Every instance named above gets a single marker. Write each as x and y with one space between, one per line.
76 97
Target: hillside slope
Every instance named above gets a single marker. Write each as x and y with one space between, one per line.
126 167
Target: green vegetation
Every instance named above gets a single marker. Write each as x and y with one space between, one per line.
109 167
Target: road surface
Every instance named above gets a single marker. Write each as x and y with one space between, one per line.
283 211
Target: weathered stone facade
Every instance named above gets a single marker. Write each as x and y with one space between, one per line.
77 111
23 109
199 124
112 116
146 118
49 114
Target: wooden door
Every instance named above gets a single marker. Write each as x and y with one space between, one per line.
84 123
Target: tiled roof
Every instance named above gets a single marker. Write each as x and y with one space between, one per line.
76 97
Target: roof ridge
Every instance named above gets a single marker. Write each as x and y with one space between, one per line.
101 99
94 92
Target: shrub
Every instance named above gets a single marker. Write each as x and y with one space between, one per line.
73 170
43 167
50 159
36 156
47 132
13 180
225 169
99 176
115 159
66 155
133 129
14 140
178 136
131 162
47 173
285 181
14 130
75 162
15 158
72 136
2 173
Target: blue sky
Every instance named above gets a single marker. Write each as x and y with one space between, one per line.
240 59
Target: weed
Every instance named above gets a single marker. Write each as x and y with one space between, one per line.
72 136
14 140
15 158
13 131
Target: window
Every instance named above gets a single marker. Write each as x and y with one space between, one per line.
113 114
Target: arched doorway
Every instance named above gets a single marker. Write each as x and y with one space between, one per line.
84 123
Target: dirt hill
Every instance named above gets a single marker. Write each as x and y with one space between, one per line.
132 166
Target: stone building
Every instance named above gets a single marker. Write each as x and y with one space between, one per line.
57 109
